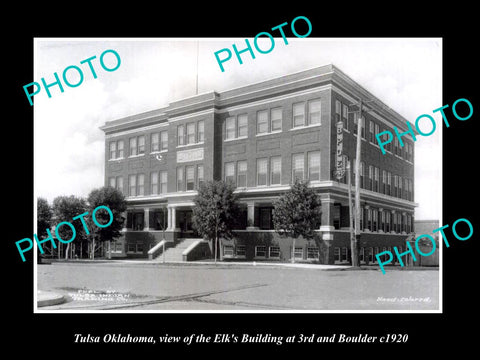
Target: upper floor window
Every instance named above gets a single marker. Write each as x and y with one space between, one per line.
269 121
298 163
190 133
230 128
187 180
116 182
371 131
163 182
276 119
155 142
370 177
133 146
159 141
314 112
338 110
314 166
313 116
262 172
190 177
116 150
346 124
275 170
298 114
200 131
158 182
376 183
180 182
242 173
200 177
136 185
154 183
385 138
262 122
242 125
137 145
236 127
181 135
230 172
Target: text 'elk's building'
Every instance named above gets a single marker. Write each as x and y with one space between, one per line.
262 137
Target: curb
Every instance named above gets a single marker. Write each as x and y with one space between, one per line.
48 298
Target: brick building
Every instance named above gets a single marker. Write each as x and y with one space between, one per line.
261 137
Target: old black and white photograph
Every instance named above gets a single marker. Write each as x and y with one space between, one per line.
227 180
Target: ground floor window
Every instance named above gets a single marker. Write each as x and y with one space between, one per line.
376 250
313 253
341 254
260 251
298 253
399 249
384 256
136 248
116 247
370 254
274 252
240 250
228 250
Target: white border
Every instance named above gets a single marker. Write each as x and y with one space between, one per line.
37 310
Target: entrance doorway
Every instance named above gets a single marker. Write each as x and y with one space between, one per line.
184 218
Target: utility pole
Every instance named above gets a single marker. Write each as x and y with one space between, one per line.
350 209
356 241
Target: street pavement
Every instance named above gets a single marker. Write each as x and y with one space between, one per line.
254 287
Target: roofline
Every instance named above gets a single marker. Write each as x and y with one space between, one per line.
328 72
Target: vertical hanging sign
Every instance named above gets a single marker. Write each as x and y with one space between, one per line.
340 168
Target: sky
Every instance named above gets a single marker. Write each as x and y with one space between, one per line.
405 73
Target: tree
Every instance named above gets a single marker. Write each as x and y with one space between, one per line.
296 213
65 208
115 201
215 211
44 219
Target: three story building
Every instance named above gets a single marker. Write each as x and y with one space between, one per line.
261 137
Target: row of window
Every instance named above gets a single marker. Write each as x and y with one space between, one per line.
187 134
270 252
188 178
305 113
269 170
384 220
400 187
343 254
350 121
158 142
191 133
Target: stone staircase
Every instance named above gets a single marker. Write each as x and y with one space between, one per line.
174 254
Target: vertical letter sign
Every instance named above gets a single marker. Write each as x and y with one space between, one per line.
340 169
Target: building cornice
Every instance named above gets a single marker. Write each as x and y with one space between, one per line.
307 81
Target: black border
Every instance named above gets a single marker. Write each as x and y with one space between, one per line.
53 333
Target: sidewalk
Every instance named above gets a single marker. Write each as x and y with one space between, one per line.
202 263
48 298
